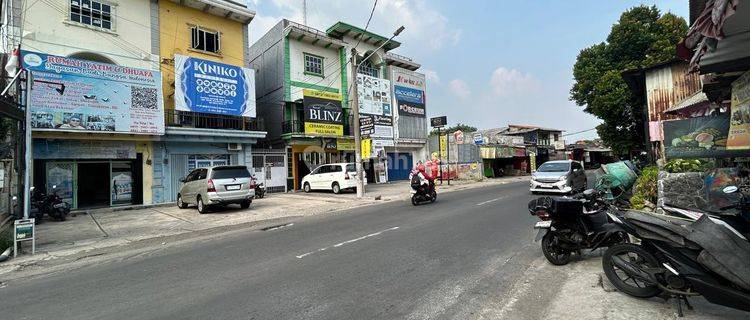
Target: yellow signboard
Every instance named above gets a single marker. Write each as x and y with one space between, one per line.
532 161
739 120
324 129
443 146
321 94
345 144
366 148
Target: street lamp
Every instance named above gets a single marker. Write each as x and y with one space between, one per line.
355 109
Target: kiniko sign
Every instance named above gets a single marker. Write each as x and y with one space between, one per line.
323 113
79 95
212 87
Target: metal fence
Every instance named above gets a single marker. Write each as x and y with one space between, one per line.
176 118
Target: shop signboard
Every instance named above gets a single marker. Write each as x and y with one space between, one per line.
345 144
443 145
488 152
458 136
374 95
366 148
702 137
323 113
409 92
376 126
80 95
366 125
509 140
438 122
739 128
212 87
478 139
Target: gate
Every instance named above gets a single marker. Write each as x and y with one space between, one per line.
270 168
399 166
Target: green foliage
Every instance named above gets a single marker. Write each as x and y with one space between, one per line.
686 165
641 37
646 188
465 128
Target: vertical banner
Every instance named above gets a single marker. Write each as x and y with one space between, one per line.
375 101
323 113
443 146
366 145
212 87
739 125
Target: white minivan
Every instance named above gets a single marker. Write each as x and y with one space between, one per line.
334 177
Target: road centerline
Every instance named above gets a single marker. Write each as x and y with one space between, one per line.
489 201
346 242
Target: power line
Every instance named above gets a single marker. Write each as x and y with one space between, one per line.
577 132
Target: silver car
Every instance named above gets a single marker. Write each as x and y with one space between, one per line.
217 186
560 176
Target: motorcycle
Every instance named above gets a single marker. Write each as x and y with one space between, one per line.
420 191
49 204
570 225
260 189
683 257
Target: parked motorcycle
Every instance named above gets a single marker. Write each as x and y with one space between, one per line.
682 258
260 188
422 189
51 205
570 225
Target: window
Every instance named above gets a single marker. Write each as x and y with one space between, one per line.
335 169
313 64
557 137
207 160
230 172
205 40
368 69
90 12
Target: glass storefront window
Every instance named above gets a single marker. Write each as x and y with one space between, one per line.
122 183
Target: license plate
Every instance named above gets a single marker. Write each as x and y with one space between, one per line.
233 187
543 224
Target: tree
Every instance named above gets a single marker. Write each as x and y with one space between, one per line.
642 37
459 126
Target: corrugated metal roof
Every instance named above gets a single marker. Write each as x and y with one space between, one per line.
695 99
666 86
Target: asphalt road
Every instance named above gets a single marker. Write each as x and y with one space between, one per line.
447 260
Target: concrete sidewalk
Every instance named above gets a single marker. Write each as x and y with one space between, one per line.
99 231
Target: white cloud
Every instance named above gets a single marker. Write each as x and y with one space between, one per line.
506 82
431 75
425 26
459 88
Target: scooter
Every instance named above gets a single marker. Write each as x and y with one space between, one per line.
569 225
422 192
666 262
49 204
260 188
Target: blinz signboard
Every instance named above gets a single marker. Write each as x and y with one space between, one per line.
323 113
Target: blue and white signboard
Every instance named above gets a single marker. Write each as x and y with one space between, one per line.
478 139
409 92
211 87
81 95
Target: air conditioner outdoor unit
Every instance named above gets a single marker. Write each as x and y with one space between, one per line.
234 146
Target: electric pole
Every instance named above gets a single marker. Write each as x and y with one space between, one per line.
304 12
355 125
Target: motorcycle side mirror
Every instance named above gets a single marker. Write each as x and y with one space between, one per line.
32 189
730 189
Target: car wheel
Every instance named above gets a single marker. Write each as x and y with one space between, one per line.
245 204
336 188
306 187
201 207
180 203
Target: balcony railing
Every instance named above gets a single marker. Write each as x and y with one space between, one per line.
176 118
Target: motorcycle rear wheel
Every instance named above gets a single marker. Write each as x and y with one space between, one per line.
554 254
637 256
414 200
434 196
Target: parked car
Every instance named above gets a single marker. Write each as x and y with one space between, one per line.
216 186
559 176
334 177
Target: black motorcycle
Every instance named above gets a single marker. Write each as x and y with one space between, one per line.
570 225
422 192
682 258
260 188
51 205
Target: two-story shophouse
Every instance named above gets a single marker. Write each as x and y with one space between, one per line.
304 78
130 95
96 102
209 94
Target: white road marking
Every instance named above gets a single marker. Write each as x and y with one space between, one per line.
346 242
488 201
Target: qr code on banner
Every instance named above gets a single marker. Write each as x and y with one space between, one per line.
144 98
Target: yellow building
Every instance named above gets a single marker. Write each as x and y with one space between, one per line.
209 94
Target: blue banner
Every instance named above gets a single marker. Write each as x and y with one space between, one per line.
211 87
408 95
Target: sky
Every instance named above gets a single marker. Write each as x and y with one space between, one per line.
489 63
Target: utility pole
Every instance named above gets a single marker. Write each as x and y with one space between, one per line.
355 125
304 12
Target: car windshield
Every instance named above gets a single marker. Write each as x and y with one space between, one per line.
554 167
230 172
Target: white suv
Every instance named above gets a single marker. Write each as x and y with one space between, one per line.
334 177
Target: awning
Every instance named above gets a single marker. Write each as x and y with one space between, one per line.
693 102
